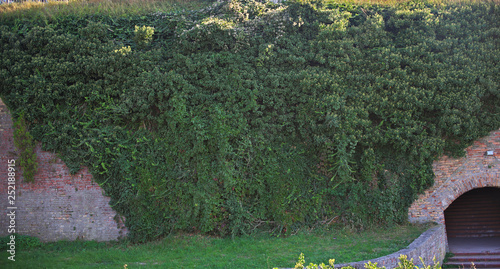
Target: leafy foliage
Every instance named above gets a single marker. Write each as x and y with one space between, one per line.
404 263
143 35
22 242
252 115
26 146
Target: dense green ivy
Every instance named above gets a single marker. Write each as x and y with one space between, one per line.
26 148
252 115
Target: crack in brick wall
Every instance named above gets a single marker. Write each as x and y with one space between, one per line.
58 205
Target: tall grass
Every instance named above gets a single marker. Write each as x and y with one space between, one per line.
39 10
51 9
399 2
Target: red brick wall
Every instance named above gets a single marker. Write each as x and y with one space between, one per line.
57 205
454 177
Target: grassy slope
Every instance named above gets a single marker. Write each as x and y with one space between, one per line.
38 10
205 252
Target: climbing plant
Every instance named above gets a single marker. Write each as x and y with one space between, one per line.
26 149
251 115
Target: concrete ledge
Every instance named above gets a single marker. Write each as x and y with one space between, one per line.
432 243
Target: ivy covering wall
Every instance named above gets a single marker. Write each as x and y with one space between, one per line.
251 115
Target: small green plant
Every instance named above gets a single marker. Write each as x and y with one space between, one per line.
300 264
403 264
26 146
143 35
23 242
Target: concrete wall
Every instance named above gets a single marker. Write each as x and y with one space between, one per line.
429 245
57 205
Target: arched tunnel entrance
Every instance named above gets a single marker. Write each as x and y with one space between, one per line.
473 221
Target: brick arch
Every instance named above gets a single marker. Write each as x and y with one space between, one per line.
481 181
454 177
436 203
475 214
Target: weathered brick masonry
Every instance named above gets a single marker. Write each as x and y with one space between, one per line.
454 177
57 205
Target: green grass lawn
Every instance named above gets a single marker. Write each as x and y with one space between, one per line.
195 251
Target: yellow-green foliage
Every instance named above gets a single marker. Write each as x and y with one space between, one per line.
404 263
123 50
143 35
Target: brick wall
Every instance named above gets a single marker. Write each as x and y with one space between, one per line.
454 177
57 205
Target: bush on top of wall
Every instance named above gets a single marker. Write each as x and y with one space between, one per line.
252 115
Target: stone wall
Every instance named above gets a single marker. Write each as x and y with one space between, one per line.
58 205
454 177
429 245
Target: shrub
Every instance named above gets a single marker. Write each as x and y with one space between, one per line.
249 115
23 242
404 263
